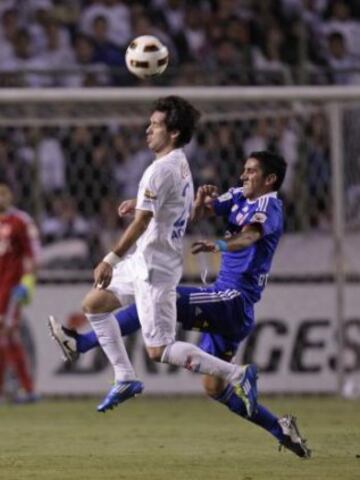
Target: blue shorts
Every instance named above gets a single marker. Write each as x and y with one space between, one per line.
225 317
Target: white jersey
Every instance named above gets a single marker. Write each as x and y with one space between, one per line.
166 189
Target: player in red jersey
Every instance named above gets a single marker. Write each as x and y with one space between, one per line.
19 248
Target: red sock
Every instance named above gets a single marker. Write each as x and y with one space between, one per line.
17 357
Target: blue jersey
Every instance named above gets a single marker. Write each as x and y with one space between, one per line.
246 270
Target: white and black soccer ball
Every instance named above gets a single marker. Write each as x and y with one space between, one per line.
146 56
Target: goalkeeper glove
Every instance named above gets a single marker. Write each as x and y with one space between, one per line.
24 292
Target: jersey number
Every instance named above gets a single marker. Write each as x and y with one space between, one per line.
180 224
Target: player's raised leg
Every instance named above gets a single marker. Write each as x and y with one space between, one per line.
73 343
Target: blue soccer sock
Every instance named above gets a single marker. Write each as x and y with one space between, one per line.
128 321
261 417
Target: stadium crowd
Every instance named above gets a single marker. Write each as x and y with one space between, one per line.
217 42
82 172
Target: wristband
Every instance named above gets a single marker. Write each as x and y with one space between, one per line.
222 245
112 259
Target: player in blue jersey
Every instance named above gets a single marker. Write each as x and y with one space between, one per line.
225 310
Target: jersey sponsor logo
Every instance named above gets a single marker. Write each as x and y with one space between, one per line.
258 217
149 195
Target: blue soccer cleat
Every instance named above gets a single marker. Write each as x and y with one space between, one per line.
246 388
120 392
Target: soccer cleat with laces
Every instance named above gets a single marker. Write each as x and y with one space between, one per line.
121 391
65 338
246 389
292 438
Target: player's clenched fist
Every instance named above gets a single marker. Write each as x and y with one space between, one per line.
206 191
102 275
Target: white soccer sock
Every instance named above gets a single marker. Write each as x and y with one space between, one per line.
194 359
109 335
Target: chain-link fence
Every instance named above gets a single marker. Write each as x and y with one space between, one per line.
73 158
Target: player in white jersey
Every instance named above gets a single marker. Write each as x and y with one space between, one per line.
150 274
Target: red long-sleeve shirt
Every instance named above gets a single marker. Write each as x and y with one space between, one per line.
19 249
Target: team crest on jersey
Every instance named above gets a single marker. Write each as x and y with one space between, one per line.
258 217
149 195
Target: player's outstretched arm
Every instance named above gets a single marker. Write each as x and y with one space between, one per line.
103 272
249 235
203 202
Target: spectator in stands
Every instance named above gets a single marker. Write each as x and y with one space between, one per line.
341 21
195 34
230 65
317 179
268 60
117 14
64 220
51 161
23 59
120 25
77 145
57 54
89 73
174 13
105 51
68 233
259 137
344 67
16 165
8 29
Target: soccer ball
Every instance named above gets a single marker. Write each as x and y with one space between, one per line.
146 56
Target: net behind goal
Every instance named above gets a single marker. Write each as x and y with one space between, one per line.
72 155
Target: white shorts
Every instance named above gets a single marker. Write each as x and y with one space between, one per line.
156 304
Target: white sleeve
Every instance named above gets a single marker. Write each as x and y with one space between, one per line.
154 189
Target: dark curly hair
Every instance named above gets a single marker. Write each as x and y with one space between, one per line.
180 116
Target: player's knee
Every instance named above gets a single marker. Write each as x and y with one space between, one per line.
213 386
96 302
90 305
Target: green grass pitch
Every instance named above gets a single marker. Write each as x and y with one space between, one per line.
174 439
